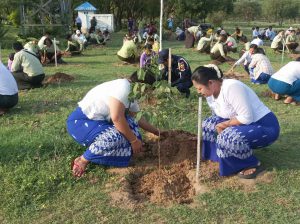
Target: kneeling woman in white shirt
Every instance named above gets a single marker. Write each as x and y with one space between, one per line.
104 123
287 82
239 124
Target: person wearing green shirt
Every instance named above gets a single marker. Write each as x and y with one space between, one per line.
128 52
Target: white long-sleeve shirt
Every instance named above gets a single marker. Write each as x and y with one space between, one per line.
288 73
237 100
246 58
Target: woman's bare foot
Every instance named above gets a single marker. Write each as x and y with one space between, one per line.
276 96
288 100
78 166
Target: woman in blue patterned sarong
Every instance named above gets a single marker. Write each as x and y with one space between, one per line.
239 124
103 122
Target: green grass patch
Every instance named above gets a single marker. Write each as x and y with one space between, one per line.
35 179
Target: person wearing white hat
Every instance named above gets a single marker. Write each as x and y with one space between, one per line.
81 40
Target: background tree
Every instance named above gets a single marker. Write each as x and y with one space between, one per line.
278 10
247 10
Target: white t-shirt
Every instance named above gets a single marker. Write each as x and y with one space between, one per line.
8 85
236 100
95 104
288 73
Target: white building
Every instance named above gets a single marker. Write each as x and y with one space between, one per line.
86 12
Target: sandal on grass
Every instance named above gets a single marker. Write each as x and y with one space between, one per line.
75 165
258 169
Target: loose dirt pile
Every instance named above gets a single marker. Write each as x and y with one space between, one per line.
173 179
235 75
294 56
58 78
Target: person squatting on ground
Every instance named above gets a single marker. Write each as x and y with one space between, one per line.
180 71
239 124
128 51
26 68
260 67
104 123
286 81
8 90
277 43
73 47
49 53
291 41
245 59
146 56
219 50
204 43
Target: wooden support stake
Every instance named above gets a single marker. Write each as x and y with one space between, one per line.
199 139
170 67
55 53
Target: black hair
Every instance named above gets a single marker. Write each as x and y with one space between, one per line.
11 56
150 39
148 46
203 74
68 36
17 46
254 46
257 50
149 78
48 40
297 59
244 39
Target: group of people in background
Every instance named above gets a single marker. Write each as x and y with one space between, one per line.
104 120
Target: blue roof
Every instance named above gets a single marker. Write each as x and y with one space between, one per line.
86 7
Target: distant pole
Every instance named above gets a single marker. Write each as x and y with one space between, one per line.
282 53
160 23
170 67
55 53
199 139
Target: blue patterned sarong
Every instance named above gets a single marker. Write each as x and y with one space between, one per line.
232 148
106 145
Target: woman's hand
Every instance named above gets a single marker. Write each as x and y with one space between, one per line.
221 126
136 145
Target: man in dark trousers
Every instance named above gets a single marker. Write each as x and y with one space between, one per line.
180 71
93 25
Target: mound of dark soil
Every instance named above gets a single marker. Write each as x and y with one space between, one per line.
58 78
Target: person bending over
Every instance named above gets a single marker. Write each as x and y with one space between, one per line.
104 123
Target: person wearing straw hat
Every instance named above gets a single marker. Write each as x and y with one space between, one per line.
286 81
180 71
240 123
104 122
26 68
8 90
